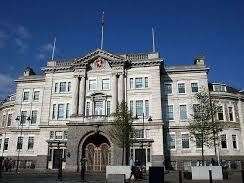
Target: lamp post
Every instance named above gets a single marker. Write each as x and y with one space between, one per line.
21 122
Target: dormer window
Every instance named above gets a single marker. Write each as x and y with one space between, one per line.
219 88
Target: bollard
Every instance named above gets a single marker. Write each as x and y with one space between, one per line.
180 176
210 176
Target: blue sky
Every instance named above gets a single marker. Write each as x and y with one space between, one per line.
184 29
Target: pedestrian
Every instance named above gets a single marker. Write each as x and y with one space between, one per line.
6 164
133 168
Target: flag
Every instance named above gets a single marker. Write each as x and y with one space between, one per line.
103 19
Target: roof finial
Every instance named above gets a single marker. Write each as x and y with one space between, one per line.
54 44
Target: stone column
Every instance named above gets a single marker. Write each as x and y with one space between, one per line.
121 88
114 92
82 94
75 91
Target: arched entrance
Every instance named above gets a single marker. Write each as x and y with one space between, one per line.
96 149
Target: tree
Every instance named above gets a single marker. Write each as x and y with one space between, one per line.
122 130
202 126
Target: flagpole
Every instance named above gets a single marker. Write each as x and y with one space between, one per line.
102 30
54 44
153 41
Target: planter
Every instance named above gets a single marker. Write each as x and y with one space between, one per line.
202 172
116 170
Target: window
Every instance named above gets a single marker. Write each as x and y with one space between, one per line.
56 87
138 83
234 142
62 87
183 112
148 155
1 144
26 96
5 145
223 141
131 83
194 87
33 117
65 134
4 120
60 111
36 95
198 141
231 116
30 143
98 107
185 141
67 111
58 135
105 84
23 117
168 88
146 108
220 113
139 133
131 107
170 112
219 88
9 119
172 141
54 111
92 84
69 86
181 88
146 82
87 108
20 143
51 135
108 108
139 107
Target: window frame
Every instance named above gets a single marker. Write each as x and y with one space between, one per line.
196 87
62 87
180 111
188 140
104 83
24 96
34 95
92 86
178 87
30 146
140 83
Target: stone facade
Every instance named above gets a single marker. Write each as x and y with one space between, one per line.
68 110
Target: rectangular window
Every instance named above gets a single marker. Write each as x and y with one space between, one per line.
20 143
223 141
67 111
30 143
146 108
131 83
185 141
9 119
23 117
105 84
56 87
5 145
148 154
54 111
62 87
92 84
170 112
36 95
183 112
234 142
231 116
139 133
198 141
108 107
69 86
168 88
172 141
131 107
220 113
139 107
181 88
4 120
60 111
194 87
51 135
146 82
138 83
87 108
65 134
58 135
33 117
26 96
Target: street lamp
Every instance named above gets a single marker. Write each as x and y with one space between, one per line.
21 122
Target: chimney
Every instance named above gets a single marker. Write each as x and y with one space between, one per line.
199 60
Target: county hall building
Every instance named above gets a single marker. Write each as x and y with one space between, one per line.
67 109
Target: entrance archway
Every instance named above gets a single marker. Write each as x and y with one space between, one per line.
96 149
